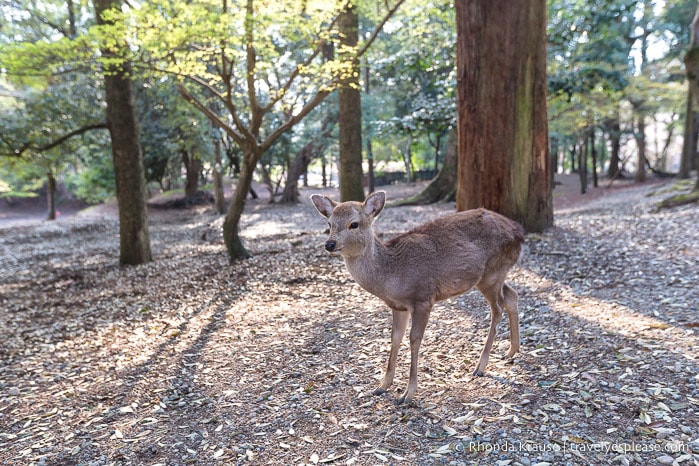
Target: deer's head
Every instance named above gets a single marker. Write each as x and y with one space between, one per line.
350 222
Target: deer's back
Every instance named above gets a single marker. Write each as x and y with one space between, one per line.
450 255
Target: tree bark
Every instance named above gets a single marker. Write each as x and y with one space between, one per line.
192 166
582 166
501 100
615 140
691 62
51 195
231 224
126 153
641 141
219 195
350 113
443 186
299 165
593 154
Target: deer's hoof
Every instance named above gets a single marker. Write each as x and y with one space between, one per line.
379 391
478 373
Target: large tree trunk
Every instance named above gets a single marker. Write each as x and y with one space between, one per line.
298 165
502 123
192 166
350 114
443 186
126 153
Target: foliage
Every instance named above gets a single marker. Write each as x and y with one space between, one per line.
413 75
169 126
599 63
39 117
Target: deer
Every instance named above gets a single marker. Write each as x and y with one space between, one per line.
433 262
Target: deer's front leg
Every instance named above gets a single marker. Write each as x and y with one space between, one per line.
400 322
420 314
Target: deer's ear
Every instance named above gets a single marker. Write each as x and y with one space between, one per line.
324 205
373 205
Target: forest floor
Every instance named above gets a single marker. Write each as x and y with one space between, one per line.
193 360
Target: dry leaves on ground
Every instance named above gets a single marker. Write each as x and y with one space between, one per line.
192 360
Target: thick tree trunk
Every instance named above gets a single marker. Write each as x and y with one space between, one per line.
350 114
298 165
192 166
443 186
51 195
502 123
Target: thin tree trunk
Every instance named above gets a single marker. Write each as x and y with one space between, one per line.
231 235
219 195
126 153
502 125
51 195
691 62
614 158
582 166
408 158
687 145
593 153
641 140
553 153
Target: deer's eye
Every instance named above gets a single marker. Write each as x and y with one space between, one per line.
354 225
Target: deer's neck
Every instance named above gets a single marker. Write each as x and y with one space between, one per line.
370 267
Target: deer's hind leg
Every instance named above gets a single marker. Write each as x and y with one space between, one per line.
510 303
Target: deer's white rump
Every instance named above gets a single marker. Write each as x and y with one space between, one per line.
433 262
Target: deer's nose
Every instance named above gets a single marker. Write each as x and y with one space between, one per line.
330 245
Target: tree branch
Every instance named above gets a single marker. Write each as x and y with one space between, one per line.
378 29
210 114
28 146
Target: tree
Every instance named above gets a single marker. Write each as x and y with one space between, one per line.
691 62
275 67
443 186
501 101
134 237
350 108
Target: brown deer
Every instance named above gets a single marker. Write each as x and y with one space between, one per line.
433 262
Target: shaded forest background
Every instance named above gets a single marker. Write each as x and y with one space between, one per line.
617 95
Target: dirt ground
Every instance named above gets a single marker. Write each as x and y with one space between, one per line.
193 360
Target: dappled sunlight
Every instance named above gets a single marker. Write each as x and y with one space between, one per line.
277 356
612 317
